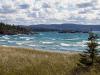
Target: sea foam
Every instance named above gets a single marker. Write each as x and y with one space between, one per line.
47 42
64 44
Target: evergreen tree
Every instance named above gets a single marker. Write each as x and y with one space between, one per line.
12 29
90 56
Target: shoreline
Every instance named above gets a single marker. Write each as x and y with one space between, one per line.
49 51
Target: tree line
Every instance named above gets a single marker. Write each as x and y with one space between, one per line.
12 29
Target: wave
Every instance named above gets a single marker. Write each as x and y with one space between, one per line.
5 37
4 45
19 43
11 41
23 42
2 40
28 39
32 45
82 45
23 37
47 42
53 39
41 34
73 39
64 44
84 41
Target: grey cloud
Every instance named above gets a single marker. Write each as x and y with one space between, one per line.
2 18
86 10
24 6
19 19
33 14
35 9
45 5
84 5
87 7
7 9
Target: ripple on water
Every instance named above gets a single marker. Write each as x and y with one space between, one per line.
47 41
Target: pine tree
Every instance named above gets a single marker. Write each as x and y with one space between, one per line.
89 57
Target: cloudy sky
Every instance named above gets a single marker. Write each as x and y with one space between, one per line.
28 12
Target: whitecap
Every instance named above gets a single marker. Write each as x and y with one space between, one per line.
24 37
84 41
11 41
15 35
76 44
26 42
23 42
41 34
64 44
32 45
73 39
19 43
4 45
53 39
47 42
28 39
82 45
2 40
5 37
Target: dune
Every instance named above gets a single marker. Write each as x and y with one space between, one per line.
21 61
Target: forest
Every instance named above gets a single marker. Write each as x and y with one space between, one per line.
8 29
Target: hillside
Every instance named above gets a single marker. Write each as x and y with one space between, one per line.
70 28
65 27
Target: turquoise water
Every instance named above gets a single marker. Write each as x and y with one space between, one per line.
53 41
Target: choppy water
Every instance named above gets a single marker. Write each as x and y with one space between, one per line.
53 41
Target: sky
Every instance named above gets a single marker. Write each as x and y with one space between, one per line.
30 12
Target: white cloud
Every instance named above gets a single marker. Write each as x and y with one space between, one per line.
49 11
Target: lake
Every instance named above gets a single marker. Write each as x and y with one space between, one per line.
52 41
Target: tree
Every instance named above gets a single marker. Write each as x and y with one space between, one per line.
12 29
89 57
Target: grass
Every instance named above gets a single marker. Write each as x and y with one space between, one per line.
20 61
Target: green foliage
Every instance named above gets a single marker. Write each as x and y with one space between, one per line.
90 56
12 29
